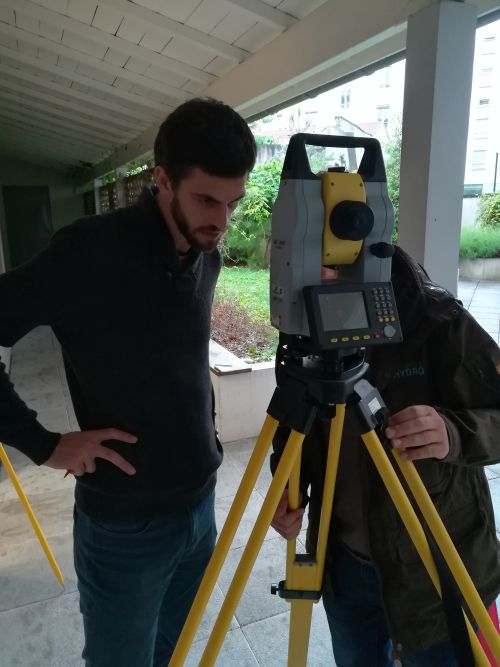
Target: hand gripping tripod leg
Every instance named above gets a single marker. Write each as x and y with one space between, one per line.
296 403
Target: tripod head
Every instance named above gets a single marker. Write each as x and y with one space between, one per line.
340 219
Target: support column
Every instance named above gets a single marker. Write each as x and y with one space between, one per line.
4 260
97 195
438 80
121 175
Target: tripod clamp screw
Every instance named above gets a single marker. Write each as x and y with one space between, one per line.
279 589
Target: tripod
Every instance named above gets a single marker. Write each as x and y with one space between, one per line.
327 382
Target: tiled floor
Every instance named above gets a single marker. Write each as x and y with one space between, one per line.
40 624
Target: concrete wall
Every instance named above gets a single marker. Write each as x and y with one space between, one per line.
65 204
469 211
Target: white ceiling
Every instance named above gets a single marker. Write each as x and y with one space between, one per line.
81 78
89 81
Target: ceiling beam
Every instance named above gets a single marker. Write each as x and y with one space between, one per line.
89 116
123 154
54 131
264 13
129 120
33 109
92 61
61 165
41 142
58 163
111 41
34 148
159 21
333 44
109 89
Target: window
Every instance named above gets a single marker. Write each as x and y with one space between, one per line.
481 134
485 77
345 98
480 128
383 112
484 101
478 160
384 77
473 189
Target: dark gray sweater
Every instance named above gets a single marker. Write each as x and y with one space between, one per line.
134 328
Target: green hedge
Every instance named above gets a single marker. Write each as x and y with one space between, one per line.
480 242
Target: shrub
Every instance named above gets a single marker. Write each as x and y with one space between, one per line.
393 167
480 242
248 235
233 328
488 212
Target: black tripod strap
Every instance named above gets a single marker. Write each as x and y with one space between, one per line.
452 607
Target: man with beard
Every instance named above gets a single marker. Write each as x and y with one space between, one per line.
128 295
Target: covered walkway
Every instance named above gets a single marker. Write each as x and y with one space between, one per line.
40 625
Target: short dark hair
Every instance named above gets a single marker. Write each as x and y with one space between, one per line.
205 133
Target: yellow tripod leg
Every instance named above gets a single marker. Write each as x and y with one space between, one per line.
450 554
299 632
301 610
332 464
224 542
307 576
413 526
281 476
31 516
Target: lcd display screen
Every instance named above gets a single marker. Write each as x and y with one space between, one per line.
343 311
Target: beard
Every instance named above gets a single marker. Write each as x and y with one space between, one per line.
194 235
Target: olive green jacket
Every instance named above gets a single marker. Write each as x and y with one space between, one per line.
449 362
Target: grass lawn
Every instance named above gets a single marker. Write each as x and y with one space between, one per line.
248 287
240 315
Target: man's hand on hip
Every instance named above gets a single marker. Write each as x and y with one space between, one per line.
77 451
419 432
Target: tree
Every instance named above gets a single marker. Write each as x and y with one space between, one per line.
248 236
488 212
392 151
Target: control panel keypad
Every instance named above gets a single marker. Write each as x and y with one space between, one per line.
384 306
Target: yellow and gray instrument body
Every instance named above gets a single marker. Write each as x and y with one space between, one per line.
308 208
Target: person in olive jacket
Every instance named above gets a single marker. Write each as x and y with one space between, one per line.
442 387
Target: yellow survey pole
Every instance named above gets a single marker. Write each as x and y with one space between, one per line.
31 516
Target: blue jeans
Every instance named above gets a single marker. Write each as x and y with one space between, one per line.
137 583
353 605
